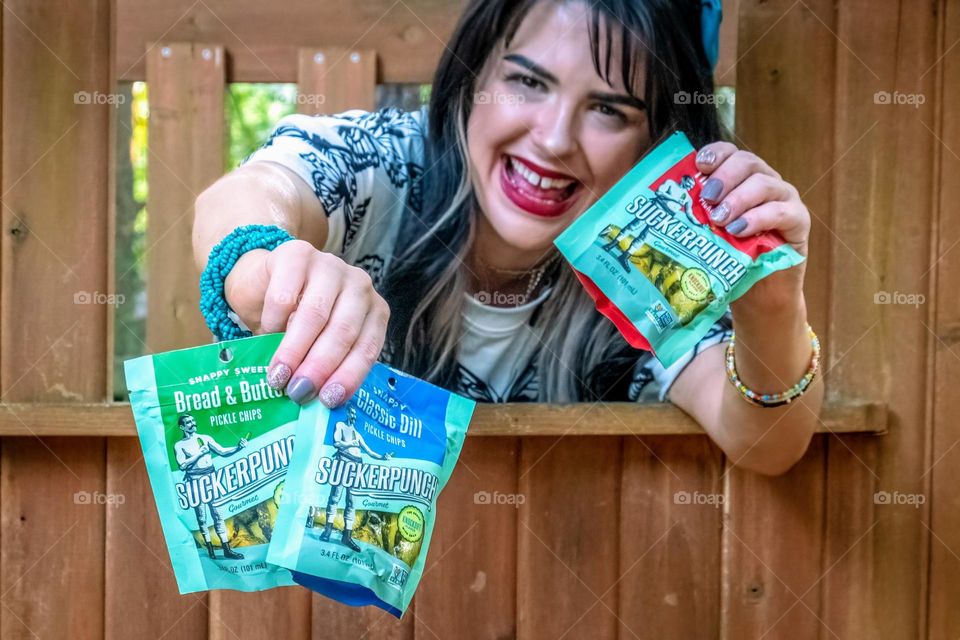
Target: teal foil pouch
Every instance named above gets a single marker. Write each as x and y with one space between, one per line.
359 504
654 263
217 442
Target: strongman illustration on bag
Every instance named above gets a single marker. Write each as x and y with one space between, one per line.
673 198
350 446
193 455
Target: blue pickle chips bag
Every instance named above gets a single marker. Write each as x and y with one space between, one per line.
359 503
217 441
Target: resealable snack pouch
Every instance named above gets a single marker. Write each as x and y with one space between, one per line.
359 503
217 442
654 263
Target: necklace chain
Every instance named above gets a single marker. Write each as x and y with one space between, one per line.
535 273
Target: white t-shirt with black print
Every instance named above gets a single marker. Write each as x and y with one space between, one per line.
363 166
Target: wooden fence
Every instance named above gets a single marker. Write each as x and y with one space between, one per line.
610 538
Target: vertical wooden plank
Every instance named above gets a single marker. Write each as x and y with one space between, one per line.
185 85
884 167
772 546
332 80
725 73
784 114
568 543
50 124
185 144
944 534
851 539
277 613
53 323
472 566
671 509
53 500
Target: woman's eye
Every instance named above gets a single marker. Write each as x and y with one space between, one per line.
524 80
607 110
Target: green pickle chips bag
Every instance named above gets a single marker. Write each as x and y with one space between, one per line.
360 499
654 263
217 441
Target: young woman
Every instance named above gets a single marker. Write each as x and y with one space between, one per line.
426 238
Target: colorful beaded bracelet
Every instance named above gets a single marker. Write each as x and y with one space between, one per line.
213 303
774 399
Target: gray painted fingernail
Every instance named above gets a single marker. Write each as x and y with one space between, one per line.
706 156
720 212
332 395
712 189
278 376
737 226
301 390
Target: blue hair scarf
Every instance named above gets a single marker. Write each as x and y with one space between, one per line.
711 14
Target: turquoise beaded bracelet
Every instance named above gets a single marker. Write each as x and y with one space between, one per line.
774 399
213 303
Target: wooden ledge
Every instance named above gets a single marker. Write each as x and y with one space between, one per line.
515 419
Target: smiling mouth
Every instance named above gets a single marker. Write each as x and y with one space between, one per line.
535 191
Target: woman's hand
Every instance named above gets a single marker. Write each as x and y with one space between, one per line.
750 197
335 322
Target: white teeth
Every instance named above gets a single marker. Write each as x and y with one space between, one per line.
537 180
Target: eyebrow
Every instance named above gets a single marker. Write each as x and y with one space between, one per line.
614 98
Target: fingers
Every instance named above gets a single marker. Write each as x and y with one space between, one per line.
783 217
728 167
712 155
348 376
334 320
348 344
313 311
755 190
331 347
283 291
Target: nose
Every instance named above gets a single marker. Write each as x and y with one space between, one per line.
555 130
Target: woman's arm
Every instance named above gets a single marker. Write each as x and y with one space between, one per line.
773 350
334 320
256 193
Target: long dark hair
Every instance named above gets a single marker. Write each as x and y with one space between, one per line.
581 356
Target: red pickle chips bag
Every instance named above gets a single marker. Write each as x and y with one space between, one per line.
654 263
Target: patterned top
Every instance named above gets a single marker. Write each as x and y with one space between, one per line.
363 166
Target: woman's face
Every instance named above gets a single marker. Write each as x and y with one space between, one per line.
547 136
